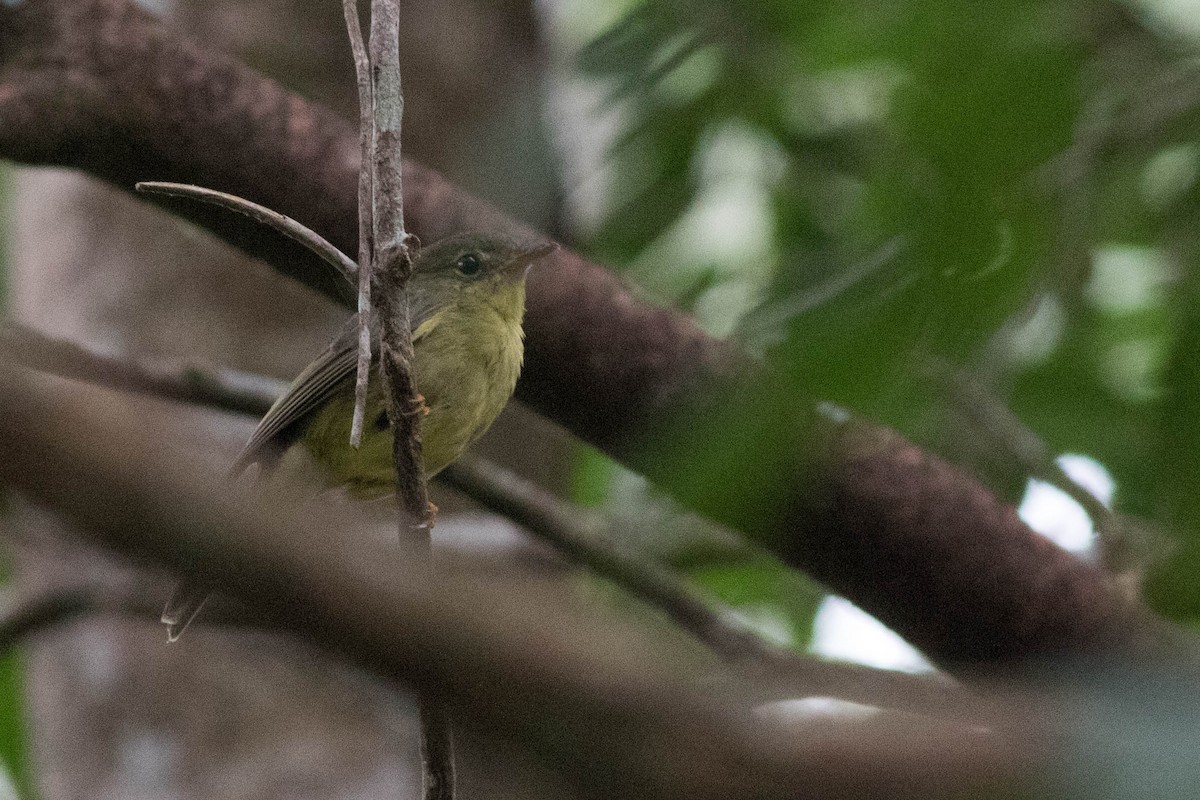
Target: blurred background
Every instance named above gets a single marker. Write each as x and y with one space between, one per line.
979 228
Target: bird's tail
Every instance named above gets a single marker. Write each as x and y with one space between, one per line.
183 607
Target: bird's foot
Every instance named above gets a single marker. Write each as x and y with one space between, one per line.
419 408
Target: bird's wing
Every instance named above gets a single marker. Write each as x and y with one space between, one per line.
318 382
314 386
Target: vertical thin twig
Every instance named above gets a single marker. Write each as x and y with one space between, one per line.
391 269
392 265
366 215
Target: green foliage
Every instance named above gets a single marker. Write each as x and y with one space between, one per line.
907 138
777 601
592 478
1172 472
15 767
877 195
14 756
773 598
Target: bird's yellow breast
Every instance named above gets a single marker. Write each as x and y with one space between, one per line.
467 358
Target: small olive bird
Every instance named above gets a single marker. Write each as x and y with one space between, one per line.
466 305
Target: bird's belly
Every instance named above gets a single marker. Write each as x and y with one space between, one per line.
462 403
463 395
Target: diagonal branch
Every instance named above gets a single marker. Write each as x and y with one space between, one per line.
22 617
550 518
912 540
580 539
231 390
615 714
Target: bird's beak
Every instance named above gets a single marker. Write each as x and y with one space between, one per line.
521 262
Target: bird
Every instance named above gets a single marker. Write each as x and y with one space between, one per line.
466 301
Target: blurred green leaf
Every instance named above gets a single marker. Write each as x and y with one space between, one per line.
1174 466
14 752
592 477
779 602
1011 197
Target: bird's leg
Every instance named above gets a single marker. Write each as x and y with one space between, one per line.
419 406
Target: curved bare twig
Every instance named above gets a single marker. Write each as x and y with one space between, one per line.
280 223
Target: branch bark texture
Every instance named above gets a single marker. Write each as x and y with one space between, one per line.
569 529
386 277
614 713
99 85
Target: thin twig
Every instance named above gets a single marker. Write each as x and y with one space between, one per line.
391 263
29 613
1028 450
272 219
366 137
391 268
579 537
24 616
227 389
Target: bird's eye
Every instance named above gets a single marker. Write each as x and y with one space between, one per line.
469 264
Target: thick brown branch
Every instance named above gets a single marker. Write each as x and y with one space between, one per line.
99 85
614 713
783 674
896 521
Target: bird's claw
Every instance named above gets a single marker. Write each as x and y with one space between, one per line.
418 407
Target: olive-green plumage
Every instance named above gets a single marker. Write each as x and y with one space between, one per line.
466 305
468 348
